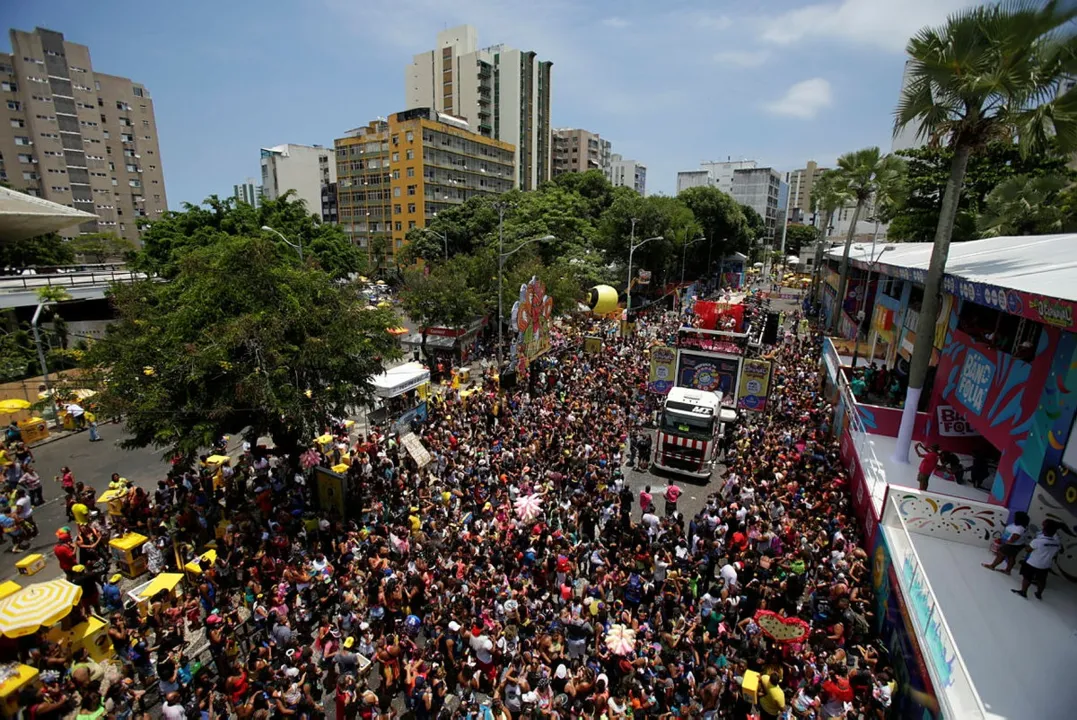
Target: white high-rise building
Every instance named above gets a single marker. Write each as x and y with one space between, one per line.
713 174
628 173
764 191
303 168
906 138
249 192
502 92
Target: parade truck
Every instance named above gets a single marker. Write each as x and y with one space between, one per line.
689 426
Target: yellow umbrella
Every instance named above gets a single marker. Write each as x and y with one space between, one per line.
84 393
36 606
13 405
324 439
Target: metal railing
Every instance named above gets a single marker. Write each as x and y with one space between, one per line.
84 276
874 472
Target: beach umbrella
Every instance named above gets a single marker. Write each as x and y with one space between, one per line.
621 640
12 405
36 606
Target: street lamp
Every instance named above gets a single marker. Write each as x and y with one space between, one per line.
444 239
501 255
863 299
631 250
298 247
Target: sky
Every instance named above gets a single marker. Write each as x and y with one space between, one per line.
669 83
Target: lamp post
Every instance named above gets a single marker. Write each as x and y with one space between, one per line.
444 239
41 358
863 299
631 251
501 255
298 247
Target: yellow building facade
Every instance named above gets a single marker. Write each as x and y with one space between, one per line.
395 175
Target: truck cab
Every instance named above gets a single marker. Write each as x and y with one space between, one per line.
688 429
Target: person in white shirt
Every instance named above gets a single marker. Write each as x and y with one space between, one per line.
1011 542
1041 555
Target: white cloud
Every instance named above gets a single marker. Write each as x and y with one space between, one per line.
887 24
618 23
803 100
742 58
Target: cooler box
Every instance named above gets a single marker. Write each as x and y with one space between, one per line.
90 635
127 553
207 558
31 564
34 430
24 677
144 593
9 587
750 686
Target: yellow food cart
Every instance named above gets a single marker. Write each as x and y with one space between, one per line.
31 564
114 500
34 430
16 678
10 587
127 553
214 464
207 559
90 635
144 593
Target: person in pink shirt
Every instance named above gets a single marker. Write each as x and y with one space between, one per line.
646 500
672 493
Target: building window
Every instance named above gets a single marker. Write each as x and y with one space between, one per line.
396 190
411 207
18 122
24 158
398 226
411 172
409 155
396 174
396 139
8 86
137 92
396 157
411 189
20 140
13 105
396 209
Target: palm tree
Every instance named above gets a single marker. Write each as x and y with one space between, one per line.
827 196
989 73
860 174
1023 205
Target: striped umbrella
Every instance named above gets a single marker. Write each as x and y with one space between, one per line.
36 606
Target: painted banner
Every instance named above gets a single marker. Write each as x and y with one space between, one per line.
403 423
953 424
754 385
663 362
975 381
710 372
531 316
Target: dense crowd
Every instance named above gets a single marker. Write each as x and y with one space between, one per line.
511 576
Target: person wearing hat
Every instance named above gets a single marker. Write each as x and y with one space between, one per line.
111 597
64 549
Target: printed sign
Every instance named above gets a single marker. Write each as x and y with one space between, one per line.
976 376
953 424
754 385
416 449
592 345
712 373
663 362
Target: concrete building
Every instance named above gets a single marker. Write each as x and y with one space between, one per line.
576 150
502 92
302 168
906 139
78 137
800 184
762 190
628 173
395 175
248 192
713 174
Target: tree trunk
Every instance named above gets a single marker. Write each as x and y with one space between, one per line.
929 309
835 317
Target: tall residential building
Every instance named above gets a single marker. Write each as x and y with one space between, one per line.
628 173
397 174
800 184
502 92
762 190
713 174
576 150
906 138
303 168
79 137
248 192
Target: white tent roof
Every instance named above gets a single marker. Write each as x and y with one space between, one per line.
24 216
1044 265
398 380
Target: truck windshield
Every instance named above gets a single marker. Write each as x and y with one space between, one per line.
685 423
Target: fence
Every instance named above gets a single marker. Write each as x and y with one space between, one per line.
874 474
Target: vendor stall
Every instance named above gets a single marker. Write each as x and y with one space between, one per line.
127 554
400 392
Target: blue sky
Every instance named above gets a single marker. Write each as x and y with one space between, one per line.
669 83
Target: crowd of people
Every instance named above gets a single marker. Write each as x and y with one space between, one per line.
510 576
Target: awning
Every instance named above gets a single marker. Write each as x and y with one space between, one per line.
397 381
437 342
24 216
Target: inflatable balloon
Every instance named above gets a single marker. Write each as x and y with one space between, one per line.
602 299
412 624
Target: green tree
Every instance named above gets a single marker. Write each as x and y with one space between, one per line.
917 217
797 236
440 297
48 249
828 195
166 241
757 227
242 337
721 220
1023 205
860 174
101 247
990 72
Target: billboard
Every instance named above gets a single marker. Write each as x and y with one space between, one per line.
754 385
531 317
663 364
710 372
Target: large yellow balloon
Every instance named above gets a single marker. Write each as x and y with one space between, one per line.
602 299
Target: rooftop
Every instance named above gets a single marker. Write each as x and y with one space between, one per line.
24 216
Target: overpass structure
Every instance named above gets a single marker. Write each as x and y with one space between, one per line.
82 282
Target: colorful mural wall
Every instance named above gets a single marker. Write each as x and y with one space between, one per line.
950 518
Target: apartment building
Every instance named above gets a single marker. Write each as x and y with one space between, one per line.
713 174
628 173
503 93
79 137
800 184
248 192
395 175
764 191
577 150
302 168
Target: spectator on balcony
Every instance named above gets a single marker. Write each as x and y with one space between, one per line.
928 463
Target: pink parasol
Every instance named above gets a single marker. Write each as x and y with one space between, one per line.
310 458
528 507
621 640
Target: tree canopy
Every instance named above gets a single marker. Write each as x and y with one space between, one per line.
49 249
242 336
